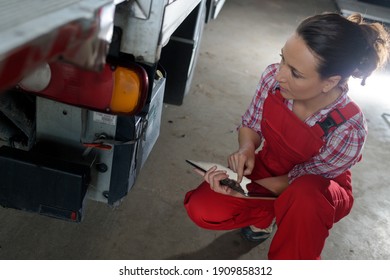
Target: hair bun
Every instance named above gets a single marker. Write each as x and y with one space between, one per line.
376 53
356 18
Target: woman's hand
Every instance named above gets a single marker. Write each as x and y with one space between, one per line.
213 177
242 162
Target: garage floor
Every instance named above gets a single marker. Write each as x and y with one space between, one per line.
151 222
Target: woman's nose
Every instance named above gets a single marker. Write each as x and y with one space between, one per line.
281 75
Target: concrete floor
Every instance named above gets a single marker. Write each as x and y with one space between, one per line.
151 222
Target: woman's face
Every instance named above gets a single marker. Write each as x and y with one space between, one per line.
297 75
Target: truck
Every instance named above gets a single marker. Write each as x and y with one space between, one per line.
82 87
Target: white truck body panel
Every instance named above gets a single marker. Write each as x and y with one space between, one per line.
148 25
33 32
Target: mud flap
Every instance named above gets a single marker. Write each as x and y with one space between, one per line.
34 182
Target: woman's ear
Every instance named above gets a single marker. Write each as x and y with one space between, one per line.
330 83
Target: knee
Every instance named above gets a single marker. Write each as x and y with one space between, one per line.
306 192
211 210
194 207
308 186
198 206
306 205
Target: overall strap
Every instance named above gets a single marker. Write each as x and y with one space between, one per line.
335 118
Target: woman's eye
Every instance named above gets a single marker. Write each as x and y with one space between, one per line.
293 72
295 75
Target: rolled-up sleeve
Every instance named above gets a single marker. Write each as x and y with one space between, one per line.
253 115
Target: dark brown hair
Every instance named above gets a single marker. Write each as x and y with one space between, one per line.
345 46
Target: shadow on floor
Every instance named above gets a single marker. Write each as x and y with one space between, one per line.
229 246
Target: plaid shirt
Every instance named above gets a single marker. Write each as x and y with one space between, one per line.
343 146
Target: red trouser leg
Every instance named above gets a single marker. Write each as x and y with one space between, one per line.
305 212
215 211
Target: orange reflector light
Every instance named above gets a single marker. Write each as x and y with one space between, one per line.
116 90
126 93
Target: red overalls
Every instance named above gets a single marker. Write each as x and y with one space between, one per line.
309 206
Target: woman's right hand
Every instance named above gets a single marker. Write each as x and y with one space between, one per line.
242 162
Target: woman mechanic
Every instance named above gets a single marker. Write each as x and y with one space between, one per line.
310 133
